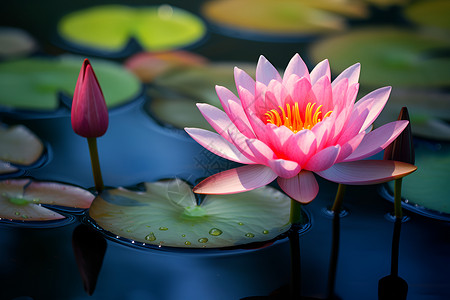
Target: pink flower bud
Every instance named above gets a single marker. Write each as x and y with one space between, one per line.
89 112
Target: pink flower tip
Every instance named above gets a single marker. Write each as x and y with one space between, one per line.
89 113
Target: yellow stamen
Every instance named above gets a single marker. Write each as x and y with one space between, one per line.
291 118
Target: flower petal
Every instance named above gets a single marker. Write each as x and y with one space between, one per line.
349 147
376 140
302 188
367 171
296 66
377 100
284 168
217 145
236 180
218 119
261 151
239 119
323 160
225 96
351 73
244 80
320 70
301 146
265 71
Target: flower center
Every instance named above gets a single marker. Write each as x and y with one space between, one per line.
292 119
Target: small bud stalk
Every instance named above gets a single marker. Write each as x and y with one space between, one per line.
89 115
96 171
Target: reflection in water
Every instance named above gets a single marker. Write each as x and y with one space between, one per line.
89 248
392 286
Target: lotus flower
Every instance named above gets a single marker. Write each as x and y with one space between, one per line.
89 112
293 126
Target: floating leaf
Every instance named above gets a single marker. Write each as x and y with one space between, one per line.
430 13
390 56
428 187
175 93
429 111
109 28
166 213
18 145
147 65
285 18
6 168
21 199
15 42
34 83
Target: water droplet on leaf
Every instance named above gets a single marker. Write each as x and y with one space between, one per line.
215 232
202 240
249 235
163 228
150 237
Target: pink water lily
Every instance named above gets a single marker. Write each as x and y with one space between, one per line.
291 126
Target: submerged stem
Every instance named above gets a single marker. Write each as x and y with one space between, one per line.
294 242
398 198
95 164
337 205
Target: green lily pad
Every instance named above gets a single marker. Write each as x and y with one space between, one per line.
166 214
175 110
15 42
389 56
282 18
7 168
21 199
18 145
175 93
429 111
34 83
430 13
427 189
147 65
109 28
385 3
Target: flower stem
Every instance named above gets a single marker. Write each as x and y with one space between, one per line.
95 164
337 205
398 198
294 241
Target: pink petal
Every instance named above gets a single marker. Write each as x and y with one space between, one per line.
217 119
367 171
262 153
240 142
296 66
322 131
351 73
244 80
236 180
353 127
302 188
265 72
277 137
349 147
276 95
378 99
239 119
225 96
323 160
299 89
284 168
339 95
375 141
217 145
301 146
320 70
322 91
